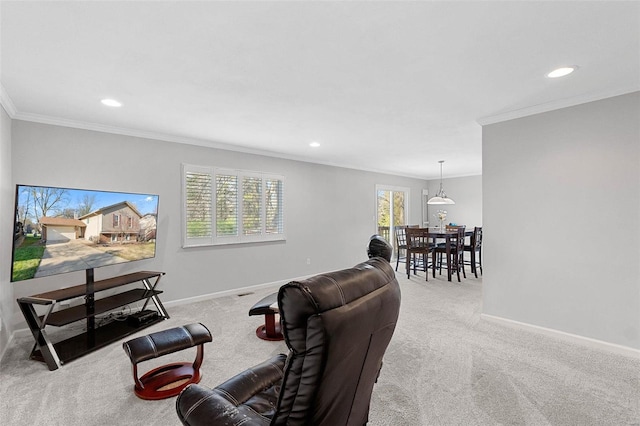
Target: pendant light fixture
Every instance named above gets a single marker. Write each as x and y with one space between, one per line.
441 197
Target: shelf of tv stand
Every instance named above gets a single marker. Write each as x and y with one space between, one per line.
55 354
77 313
81 290
84 343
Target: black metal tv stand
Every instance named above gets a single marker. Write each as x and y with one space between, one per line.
56 354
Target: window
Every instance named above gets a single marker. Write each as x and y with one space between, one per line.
116 220
129 222
392 205
223 206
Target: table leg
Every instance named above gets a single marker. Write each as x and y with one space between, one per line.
448 258
473 263
433 262
408 264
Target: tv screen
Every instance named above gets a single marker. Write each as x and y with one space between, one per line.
60 230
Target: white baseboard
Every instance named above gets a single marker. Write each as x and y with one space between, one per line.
21 332
233 292
9 342
573 338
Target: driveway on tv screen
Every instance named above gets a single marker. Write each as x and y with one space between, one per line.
73 255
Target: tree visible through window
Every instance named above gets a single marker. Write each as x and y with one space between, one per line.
391 205
252 205
198 204
273 207
226 205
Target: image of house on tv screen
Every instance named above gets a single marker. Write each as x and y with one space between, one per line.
60 230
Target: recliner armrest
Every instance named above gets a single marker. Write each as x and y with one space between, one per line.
255 390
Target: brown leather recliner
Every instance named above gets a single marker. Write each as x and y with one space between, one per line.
337 327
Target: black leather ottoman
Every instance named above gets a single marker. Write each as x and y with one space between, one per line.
167 380
268 307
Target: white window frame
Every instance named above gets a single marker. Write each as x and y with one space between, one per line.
391 188
239 238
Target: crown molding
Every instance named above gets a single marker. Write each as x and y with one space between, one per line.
63 122
551 106
7 103
125 131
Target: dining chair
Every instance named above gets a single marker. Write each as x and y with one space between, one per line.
456 250
475 247
401 242
452 228
418 244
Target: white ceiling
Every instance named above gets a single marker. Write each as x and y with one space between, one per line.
386 86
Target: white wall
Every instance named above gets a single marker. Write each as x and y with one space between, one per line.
329 211
6 226
561 220
467 193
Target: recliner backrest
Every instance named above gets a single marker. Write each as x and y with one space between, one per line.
337 327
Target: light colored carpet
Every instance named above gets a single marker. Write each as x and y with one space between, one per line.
444 366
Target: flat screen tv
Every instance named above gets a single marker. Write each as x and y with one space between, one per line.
60 230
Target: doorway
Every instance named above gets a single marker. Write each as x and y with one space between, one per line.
392 205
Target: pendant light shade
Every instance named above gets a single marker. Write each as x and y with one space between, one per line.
441 197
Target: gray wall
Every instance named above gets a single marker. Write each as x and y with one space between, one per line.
561 209
329 211
467 193
6 225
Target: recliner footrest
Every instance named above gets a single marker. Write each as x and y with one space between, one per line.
167 380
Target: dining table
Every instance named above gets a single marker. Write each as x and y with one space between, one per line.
445 234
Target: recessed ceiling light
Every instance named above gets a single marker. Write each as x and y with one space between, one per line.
561 72
314 144
111 103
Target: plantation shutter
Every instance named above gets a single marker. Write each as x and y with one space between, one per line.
226 205
251 205
273 206
197 194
